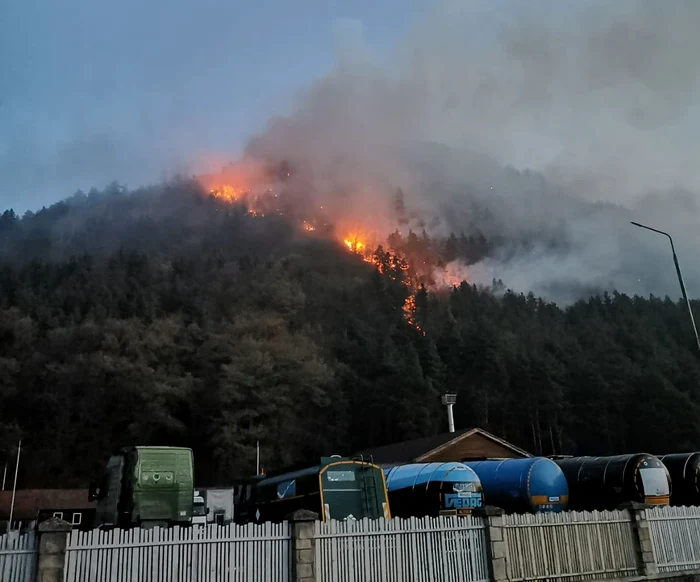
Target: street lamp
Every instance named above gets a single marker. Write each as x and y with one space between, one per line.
680 277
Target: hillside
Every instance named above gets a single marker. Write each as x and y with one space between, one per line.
164 315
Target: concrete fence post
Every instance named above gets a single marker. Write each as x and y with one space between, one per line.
303 545
53 539
642 530
496 542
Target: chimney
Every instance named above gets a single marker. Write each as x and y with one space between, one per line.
449 400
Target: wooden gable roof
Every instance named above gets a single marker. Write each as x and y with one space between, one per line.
451 446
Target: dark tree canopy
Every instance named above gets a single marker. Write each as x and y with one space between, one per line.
162 316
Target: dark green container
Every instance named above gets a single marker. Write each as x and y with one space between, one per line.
146 485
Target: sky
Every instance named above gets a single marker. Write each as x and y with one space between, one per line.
600 99
94 91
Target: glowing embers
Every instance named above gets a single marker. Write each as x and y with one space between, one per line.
409 312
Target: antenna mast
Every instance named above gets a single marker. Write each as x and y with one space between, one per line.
14 487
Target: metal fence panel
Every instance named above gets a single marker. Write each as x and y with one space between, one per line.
18 555
245 553
675 537
571 546
443 549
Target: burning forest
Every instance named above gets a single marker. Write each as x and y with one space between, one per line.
310 295
389 237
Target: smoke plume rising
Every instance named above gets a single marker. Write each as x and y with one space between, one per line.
545 125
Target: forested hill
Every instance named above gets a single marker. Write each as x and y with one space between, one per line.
163 316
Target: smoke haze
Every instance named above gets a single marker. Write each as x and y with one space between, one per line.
595 104
546 125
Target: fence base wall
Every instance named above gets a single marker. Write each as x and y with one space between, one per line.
496 542
303 546
662 577
53 539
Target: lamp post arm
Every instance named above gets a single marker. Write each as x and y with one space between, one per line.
680 276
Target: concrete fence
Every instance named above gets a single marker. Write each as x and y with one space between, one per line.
633 543
248 553
18 554
570 546
675 538
420 550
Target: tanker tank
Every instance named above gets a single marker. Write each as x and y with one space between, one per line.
432 489
534 484
684 470
606 482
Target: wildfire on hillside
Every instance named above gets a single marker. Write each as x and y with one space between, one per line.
247 182
412 260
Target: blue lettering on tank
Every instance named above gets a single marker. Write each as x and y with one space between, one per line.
462 501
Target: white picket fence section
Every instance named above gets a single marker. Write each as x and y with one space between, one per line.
675 537
248 553
442 549
18 555
571 545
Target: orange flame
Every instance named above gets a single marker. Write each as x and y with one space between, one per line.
246 183
395 264
354 245
227 192
409 309
229 187
235 183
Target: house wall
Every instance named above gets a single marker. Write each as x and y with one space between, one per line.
86 520
472 446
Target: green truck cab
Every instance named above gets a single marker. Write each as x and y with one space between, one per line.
145 486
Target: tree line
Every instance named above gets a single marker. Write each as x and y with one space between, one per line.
159 316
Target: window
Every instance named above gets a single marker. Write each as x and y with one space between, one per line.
58 514
341 476
77 518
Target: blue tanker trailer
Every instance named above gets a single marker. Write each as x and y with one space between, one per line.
432 489
606 482
535 484
684 469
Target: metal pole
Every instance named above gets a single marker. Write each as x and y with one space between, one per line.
257 458
14 487
450 419
680 278
4 477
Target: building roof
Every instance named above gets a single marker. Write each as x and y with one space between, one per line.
417 450
410 451
28 502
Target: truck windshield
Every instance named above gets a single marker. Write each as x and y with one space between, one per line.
199 509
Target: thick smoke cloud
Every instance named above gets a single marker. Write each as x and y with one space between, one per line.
595 103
